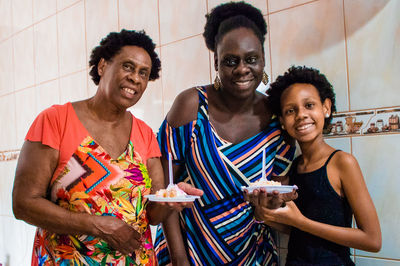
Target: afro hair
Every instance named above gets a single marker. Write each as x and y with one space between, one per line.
301 74
113 43
223 12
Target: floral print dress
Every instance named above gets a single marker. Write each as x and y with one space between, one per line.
92 182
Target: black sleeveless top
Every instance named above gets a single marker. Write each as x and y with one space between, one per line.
318 201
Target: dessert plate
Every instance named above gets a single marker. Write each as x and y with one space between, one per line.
187 198
269 189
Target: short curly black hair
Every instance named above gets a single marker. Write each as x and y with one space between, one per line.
112 45
229 16
301 74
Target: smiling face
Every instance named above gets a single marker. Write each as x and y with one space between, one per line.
124 77
303 113
239 60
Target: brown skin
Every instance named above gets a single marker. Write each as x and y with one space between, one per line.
236 110
109 123
303 117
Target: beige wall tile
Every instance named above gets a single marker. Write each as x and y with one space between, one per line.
343 144
131 17
150 106
276 5
92 88
180 19
6 28
260 4
71 39
312 35
7 67
26 112
101 19
46 49
18 241
183 68
378 159
373 33
21 14
47 94
8 123
61 4
43 9
73 87
375 261
24 73
6 184
282 240
282 256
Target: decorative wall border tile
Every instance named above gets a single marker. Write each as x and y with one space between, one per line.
369 122
9 155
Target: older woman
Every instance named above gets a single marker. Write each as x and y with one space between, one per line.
85 166
216 134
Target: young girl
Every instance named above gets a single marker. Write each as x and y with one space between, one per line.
331 185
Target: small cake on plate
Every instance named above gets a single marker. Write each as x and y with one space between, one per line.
172 191
264 182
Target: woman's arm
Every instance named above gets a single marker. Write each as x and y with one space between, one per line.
367 235
36 165
183 111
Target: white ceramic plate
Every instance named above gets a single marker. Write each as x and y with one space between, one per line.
280 189
187 198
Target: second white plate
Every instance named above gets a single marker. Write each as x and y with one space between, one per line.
280 189
187 198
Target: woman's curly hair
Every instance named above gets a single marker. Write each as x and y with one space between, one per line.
301 74
233 15
112 45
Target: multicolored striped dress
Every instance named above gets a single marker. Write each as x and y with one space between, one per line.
220 228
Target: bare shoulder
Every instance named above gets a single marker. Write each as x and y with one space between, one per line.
184 108
345 160
347 168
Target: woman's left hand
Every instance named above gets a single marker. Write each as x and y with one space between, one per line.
289 214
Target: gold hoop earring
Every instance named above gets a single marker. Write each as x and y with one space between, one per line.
217 82
265 78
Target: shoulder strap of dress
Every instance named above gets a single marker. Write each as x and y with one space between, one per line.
330 157
203 100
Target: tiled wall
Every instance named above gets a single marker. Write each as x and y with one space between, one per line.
45 45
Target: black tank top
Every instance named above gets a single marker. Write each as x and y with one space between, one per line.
318 201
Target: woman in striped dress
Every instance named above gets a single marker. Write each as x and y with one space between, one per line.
216 134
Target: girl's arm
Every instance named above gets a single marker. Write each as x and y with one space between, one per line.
367 235
259 216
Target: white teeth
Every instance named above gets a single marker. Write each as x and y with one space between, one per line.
242 83
304 127
129 91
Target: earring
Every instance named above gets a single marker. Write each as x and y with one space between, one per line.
217 82
283 127
265 78
326 115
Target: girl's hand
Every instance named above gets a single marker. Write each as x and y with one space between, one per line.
289 214
273 200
